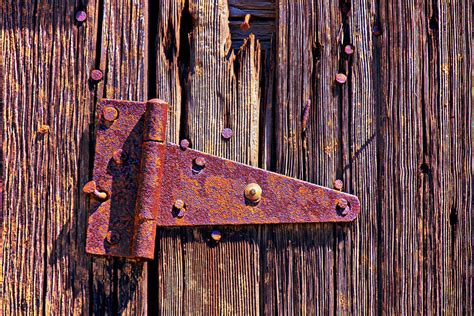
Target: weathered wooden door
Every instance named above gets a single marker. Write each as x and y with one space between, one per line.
399 133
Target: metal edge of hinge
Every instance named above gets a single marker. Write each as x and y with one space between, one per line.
141 182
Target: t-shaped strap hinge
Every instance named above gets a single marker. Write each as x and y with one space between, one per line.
141 182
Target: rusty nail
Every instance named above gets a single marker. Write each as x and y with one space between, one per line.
377 29
342 204
81 16
181 213
341 78
44 129
91 188
179 204
227 133
110 113
184 144
253 192
216 235
96 75
349 49
245 25
337 184
118 156
200 162
113 237
306 114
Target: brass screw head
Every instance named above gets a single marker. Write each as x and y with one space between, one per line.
253 192
110 113
216 235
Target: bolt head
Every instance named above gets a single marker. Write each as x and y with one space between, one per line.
119 156
184 144
110 113
338 184
179 204
80 16
200 162
216 235
253 192
96 75
342 204
89 187
341 78
227 133
349 49
113 237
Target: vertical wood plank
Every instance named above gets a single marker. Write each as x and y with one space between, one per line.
222 278
46 58
172 58
120 286
424 128
357 255
301 262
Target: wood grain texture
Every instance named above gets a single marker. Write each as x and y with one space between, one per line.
399 133
121 285
222 91
46 59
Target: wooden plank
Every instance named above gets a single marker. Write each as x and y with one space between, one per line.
119 285
225 278
356 251
217 96
171 28
426 105
46 59
300 258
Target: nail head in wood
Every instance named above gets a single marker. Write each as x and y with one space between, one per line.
338 184
184 144
216 235
341 78
80 16
227 133
96 75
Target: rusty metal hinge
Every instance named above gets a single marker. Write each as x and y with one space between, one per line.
140 182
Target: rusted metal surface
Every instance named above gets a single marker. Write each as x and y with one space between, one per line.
120 181
151 174
150 183
216 194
